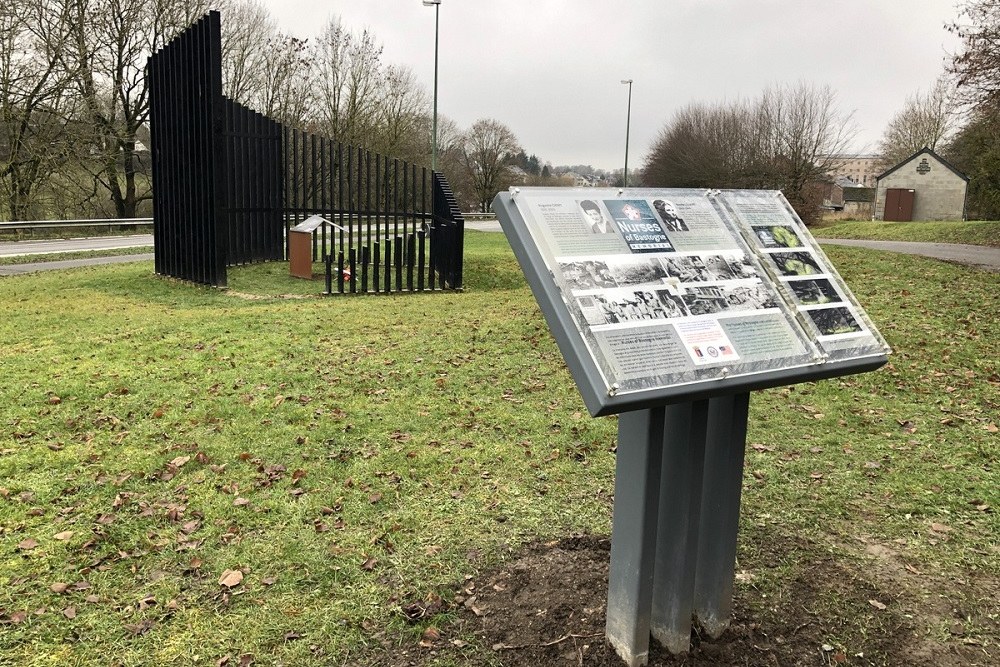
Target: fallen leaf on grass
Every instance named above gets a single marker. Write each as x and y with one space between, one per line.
142 628
291 636
58 587
63 536
180 461
231 578
18 617
940 528
241 502
878 605
430 637
28 544
69 612
369 564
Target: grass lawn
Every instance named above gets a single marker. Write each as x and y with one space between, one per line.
188 474
972 233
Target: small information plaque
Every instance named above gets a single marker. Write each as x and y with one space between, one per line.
659 295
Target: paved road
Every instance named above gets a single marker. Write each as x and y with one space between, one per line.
51 246
982 257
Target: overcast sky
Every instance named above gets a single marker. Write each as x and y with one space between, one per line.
551 69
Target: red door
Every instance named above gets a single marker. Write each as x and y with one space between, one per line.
898 205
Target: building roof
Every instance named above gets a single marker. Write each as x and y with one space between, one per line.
924 151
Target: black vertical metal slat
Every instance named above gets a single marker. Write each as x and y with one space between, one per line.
340 271
277 225
204 264
188 231
365 255
395 197
352 260
260 231
322 199
387 285
340 191
350 197
359 205
328 266
172 93
241 243
399 263
375 266
312 189
405 213
421 234
368 221
411 251
378 198
153 141
387 210
296 204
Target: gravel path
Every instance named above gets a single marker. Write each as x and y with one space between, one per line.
982 257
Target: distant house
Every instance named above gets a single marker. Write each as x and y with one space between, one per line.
921 187
860 169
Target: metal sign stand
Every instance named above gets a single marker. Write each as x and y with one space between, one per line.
676 515
681 443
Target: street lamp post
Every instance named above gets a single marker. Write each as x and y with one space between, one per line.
628 122
436 4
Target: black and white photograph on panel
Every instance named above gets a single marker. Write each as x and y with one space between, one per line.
636 270
814 292
587 274
672 304
718 267
796 263
686 269
705 300
596 220
834 321
625 306
668 214
750 297
777 236
741 267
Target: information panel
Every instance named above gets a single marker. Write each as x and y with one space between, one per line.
677 289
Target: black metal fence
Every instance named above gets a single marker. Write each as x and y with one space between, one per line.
401 230
230 182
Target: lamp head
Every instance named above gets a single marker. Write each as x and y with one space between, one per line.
431 3
623 80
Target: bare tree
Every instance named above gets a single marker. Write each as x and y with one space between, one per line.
977 66
348 70
111 40
402 123
248 35
925 120
785 139
489 150
34 103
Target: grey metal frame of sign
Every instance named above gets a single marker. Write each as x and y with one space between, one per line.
585 372
678 477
